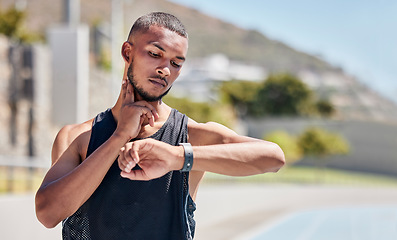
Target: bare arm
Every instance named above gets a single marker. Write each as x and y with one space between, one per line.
220 150
70 182
215 149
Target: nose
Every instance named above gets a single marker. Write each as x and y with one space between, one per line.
164 71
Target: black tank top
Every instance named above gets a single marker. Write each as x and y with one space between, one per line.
121 209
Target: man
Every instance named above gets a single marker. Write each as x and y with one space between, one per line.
149 191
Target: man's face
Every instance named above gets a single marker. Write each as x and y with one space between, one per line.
156 61
140 91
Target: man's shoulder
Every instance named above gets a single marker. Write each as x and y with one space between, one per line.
74 137
69 133
72 131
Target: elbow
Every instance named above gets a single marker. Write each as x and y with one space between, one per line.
279 164
47 224
279 158
275 161
43 211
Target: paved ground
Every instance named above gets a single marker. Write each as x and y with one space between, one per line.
223 211
370 222
18 220
232 212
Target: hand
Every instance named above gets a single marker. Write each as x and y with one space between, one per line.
155 159
133 114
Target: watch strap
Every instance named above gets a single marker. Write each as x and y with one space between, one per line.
188 163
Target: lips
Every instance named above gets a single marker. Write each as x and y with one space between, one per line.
159 81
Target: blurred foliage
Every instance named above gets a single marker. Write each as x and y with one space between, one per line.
325 108
313 142
105 61
11 21
278 95
11 25
202 112
288 144
237 92
318 142
308 175
283 95
240 94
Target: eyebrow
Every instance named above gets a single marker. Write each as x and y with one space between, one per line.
162 49
159 47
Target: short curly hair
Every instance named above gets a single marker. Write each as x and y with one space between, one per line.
161 19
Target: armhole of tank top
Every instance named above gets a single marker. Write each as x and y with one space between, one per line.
89 146
186 126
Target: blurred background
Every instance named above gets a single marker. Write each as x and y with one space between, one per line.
317 78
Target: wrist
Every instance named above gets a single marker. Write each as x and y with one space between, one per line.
180 158
121 137
187 157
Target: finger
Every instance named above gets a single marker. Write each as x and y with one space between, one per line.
129 95
125 167
121 160
150 107
128 161
123 88
153 111
146 116
135 153
135 175
131 161
121 166
146 113
150 117
124 159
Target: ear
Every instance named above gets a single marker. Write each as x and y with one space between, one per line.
126 51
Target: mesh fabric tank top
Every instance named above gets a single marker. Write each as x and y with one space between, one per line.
121 209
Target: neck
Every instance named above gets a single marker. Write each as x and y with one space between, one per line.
162 109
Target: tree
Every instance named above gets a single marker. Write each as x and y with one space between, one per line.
11 25
325 108
239 94
278 95
11 21
317 142
284 95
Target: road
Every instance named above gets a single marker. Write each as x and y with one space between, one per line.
233 211
224 212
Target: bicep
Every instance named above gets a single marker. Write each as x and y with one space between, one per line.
65 164
214 133
65 157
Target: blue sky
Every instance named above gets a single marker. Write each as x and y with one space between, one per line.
358 35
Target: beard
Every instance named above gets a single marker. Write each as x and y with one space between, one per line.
140 91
